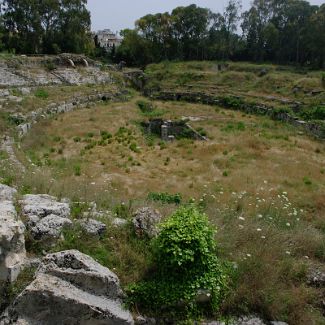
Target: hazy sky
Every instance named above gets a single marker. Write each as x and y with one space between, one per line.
120 14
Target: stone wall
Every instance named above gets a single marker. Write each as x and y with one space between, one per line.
168 130
52 70
314 128
64 107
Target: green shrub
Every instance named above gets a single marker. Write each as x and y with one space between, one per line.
165 198
15 120
123 211
202 132
225 173
78 209
77 170
233 102
134 147
314 113
280 111
307 181
148 109
185 264
41 93
105 135
145 107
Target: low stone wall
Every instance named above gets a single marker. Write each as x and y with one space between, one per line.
64 107
236 103
168 130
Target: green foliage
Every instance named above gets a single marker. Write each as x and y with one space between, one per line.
77 170
145 107
49 27
15 120
78 208
225 173
315 113
105 135
165 197
202 132
148 109
185 260
123 210
233 127
187 77
41 93
134 147
280 111
307 181
233 102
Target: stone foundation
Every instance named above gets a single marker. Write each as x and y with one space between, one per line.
169 130
236 103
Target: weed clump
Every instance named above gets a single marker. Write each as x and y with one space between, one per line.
165 198
41 93
185 266
148 109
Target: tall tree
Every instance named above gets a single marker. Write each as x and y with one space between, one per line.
284 31
1 28
316 39
47 26
190 26
231 16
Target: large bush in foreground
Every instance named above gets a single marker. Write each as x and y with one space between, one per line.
185 263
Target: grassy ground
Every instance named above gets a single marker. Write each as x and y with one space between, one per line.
270 84
40 97
260 181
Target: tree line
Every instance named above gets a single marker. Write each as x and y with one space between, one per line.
281 31
45 26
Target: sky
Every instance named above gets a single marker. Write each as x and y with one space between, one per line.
121 14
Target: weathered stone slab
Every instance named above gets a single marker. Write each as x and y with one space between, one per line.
12 240
71 288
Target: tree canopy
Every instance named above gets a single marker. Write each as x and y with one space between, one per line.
46 26
286 31
280 31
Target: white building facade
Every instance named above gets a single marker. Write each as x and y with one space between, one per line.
108 39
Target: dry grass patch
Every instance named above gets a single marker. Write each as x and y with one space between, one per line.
258 180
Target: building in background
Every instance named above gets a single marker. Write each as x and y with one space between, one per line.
107 39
